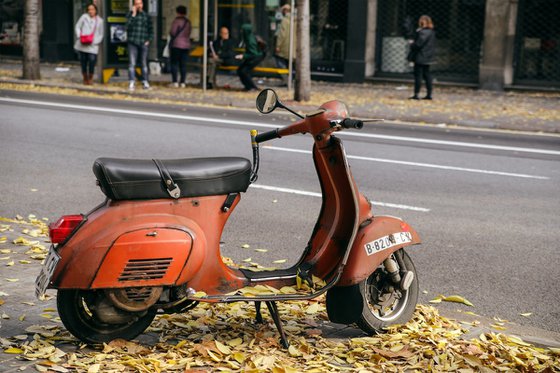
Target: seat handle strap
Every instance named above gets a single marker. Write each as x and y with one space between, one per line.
172 188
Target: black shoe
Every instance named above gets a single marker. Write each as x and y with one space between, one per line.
427 98
414 98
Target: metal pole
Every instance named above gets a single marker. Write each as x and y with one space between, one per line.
205 48
291 52
215 19
101 55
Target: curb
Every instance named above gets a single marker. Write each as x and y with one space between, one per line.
243 104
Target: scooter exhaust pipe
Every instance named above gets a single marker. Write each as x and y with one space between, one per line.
393 268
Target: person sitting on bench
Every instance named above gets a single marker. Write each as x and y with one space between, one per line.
251 58
220 54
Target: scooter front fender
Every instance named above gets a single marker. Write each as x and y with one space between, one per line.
373 244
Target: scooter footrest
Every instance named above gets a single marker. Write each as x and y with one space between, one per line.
263 275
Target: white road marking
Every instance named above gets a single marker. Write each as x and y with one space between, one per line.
416 164
454 143
315 194
266 125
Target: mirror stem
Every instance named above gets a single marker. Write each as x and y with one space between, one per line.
291 111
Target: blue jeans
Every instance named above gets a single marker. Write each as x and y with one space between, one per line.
135 53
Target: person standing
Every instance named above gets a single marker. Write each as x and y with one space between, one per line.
180 44
89 34
423 53
220 53
282 50
251 58
139 32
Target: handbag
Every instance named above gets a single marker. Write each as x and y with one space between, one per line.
411 56
88 38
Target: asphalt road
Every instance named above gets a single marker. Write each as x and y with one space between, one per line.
485 203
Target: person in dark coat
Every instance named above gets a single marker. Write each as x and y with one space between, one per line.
220 53
251 58
423 53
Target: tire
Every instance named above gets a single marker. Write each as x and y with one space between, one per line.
401 310
74 310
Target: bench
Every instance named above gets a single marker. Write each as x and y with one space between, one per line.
198 52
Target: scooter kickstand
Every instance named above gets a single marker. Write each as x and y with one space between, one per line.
276 317
259 318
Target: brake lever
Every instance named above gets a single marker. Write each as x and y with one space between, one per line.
335 123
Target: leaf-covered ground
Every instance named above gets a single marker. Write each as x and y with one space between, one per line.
224 337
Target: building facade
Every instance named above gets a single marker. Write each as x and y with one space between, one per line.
491 44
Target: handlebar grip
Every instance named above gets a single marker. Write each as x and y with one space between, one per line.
269 135
352 123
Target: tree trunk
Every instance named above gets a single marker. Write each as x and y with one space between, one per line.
31 66
303 58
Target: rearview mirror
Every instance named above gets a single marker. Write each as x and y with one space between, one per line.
267 101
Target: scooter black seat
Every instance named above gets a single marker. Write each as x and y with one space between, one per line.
125 179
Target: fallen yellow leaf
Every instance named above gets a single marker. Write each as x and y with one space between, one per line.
222 348
239 357
13 350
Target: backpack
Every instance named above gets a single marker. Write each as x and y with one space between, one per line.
261 45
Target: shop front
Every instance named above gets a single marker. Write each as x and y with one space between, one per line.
11 25
459 26
537 52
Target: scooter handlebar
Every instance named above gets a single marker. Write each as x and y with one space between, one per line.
275 134
265 136
352 123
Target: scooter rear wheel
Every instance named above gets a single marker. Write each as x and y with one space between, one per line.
75 308
384 304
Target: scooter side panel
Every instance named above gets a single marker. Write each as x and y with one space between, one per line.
146 257
365 257
85 252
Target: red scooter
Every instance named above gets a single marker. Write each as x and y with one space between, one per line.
154 244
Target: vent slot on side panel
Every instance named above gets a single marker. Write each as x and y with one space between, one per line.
145 269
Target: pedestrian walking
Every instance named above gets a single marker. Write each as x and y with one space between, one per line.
140 32
423 53
221 53
89 34
251 58
282 50
179 44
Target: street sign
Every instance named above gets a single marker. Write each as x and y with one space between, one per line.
115 49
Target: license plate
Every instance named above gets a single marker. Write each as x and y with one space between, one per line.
387 242
44 278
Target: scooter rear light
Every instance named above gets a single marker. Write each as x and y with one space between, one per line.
63 227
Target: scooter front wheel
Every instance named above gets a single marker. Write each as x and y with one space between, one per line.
384 303
90 317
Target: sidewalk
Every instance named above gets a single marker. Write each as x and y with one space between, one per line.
523 111
225 337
